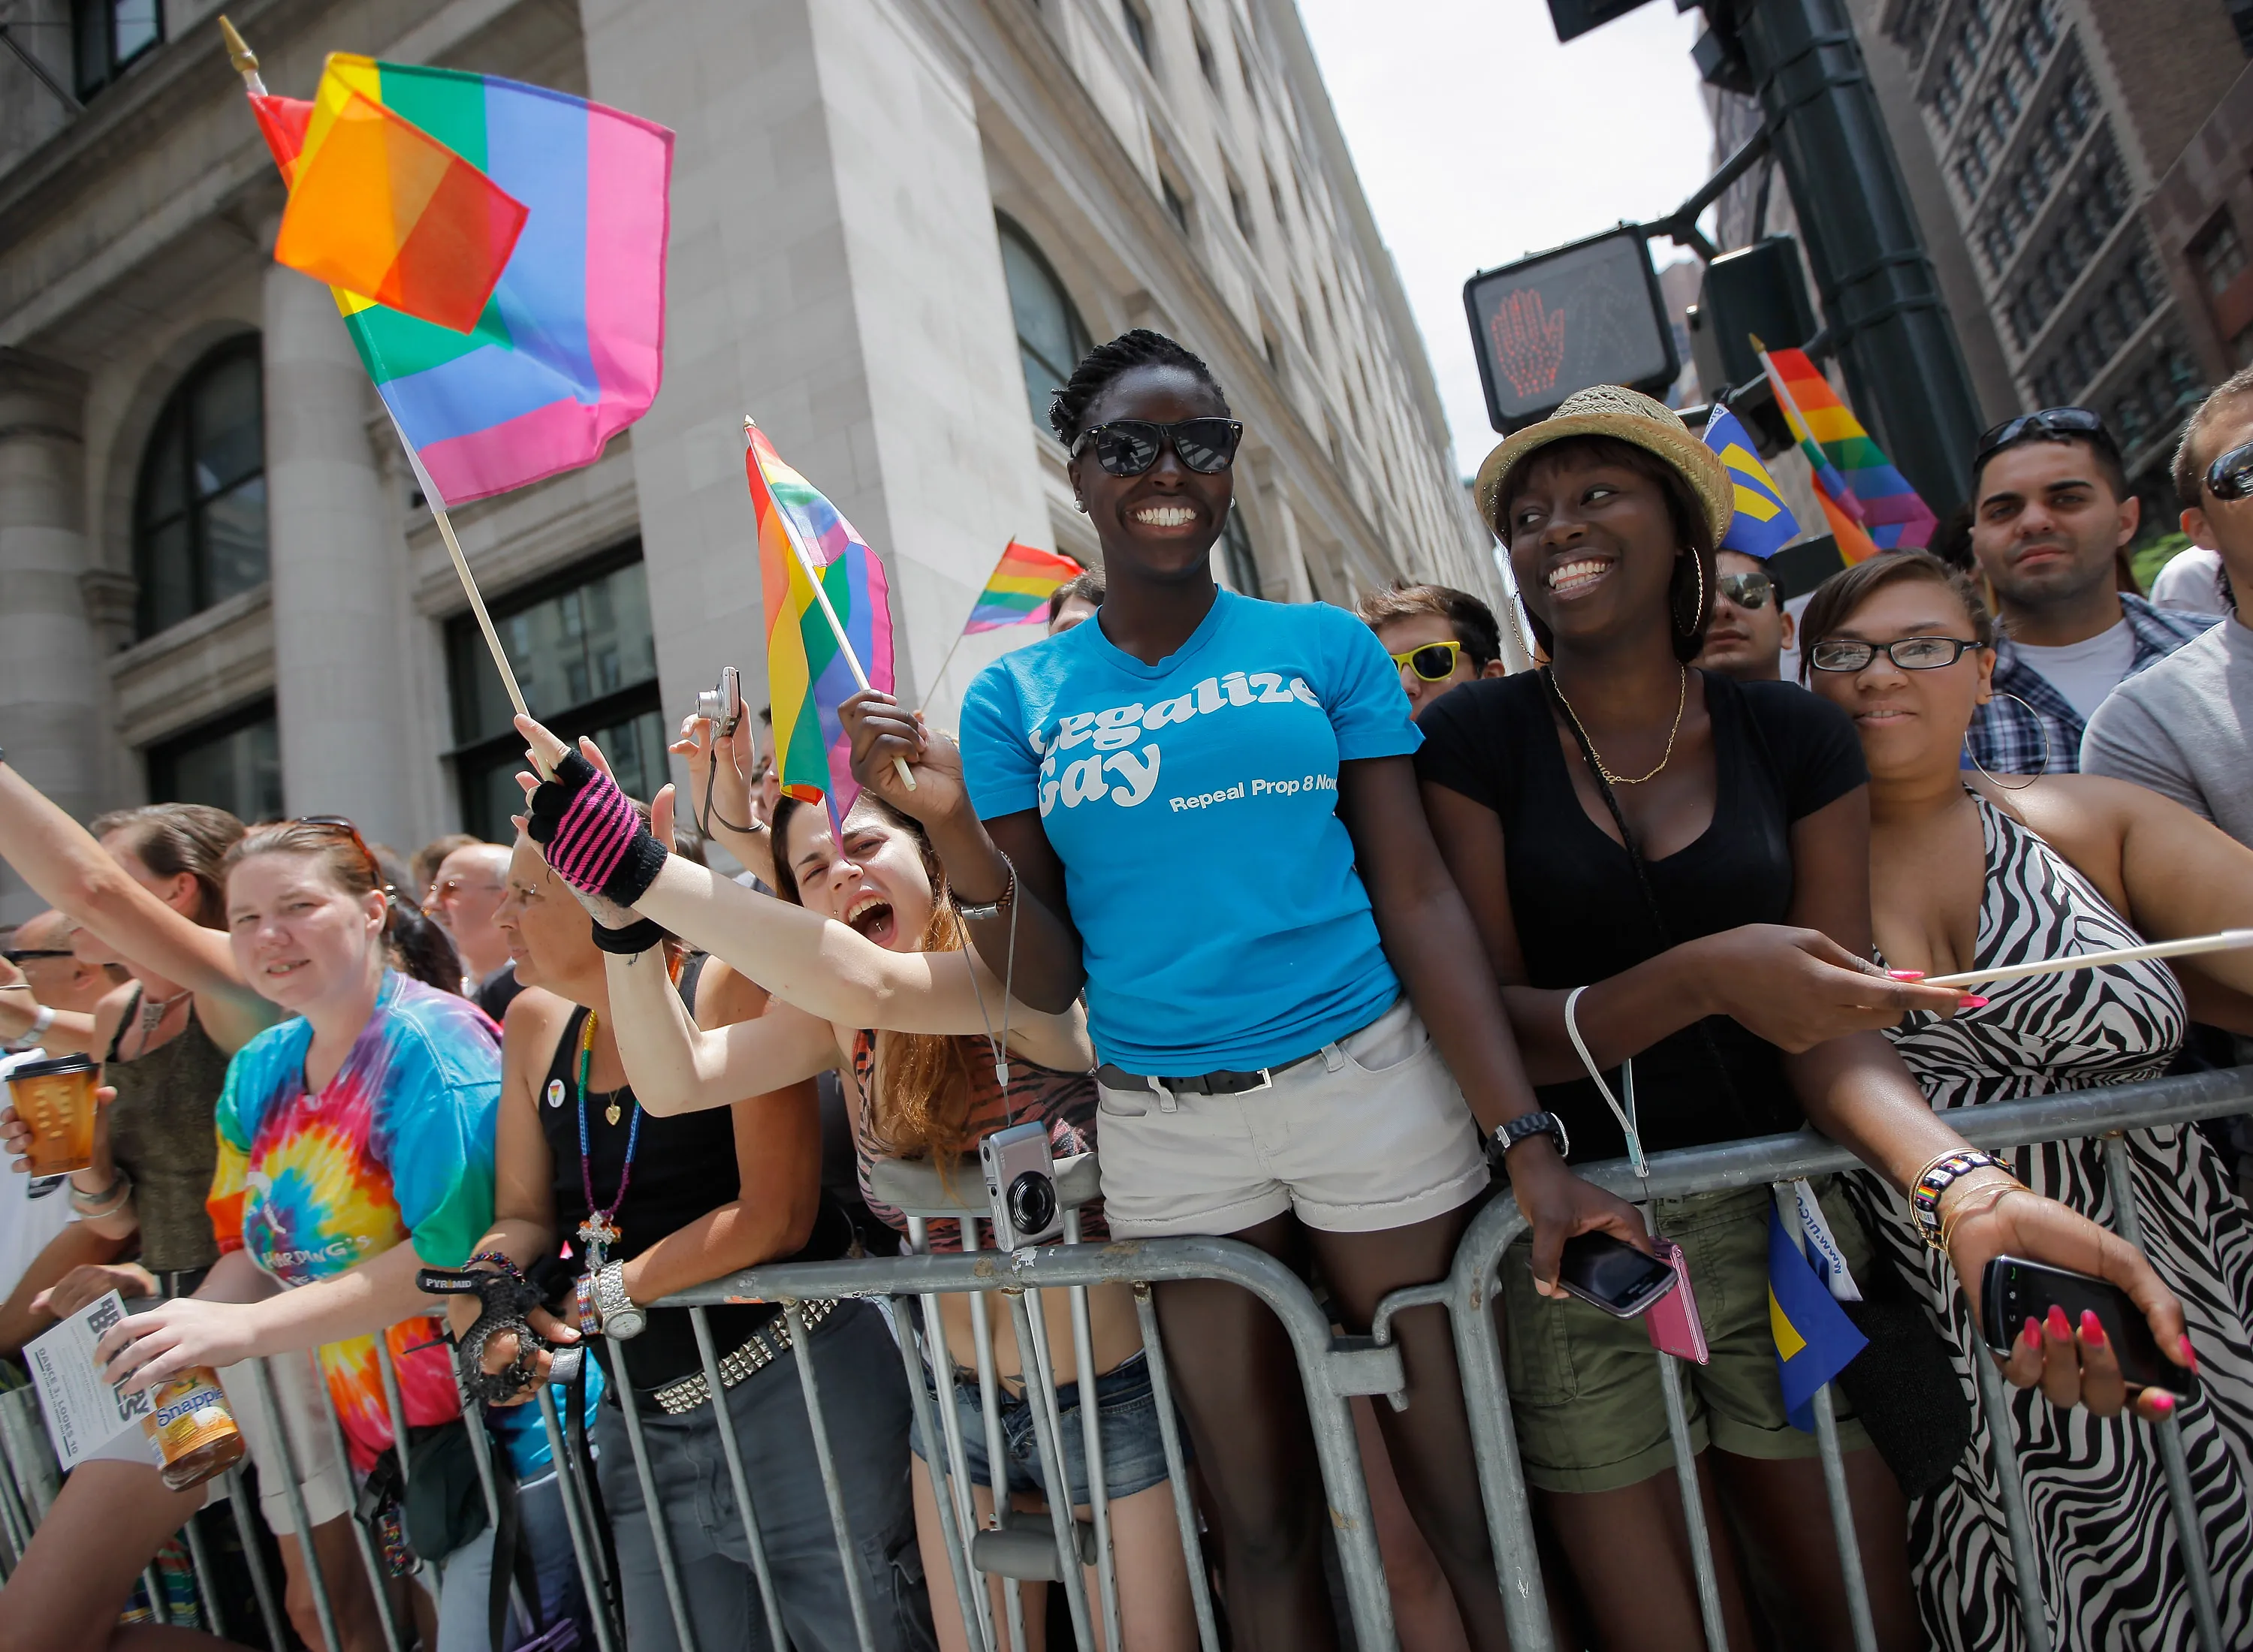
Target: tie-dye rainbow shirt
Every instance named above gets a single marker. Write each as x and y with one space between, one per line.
399 1145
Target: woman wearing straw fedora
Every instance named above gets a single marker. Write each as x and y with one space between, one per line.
1672 867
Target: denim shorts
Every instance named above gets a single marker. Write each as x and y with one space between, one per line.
1133 1450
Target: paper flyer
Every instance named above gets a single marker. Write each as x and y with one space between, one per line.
84 1413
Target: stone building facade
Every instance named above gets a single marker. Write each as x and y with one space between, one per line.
895 224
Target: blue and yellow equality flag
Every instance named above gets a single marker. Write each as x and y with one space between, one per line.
1764 524
1814 1339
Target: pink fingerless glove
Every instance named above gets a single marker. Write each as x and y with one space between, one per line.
590 833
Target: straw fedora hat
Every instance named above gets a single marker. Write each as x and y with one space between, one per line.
1627 416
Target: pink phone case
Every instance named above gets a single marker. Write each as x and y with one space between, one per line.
1672 1320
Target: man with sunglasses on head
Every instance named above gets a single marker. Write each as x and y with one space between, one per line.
2182 727
1749 629
2051 516
47 997
1440 639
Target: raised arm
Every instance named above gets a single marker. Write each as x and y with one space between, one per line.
73 874
676 1066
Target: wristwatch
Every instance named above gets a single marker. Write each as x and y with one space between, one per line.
622 1321
40 1022
1513 1131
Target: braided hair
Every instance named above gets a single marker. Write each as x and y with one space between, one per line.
1139 347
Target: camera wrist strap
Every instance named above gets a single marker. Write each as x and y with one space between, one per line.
1624 1114
1000 1046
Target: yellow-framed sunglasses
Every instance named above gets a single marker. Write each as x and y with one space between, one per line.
1433 662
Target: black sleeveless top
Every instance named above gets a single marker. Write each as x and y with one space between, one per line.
683 1167
162 1133
1780 753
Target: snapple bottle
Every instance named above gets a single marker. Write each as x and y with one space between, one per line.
194 1430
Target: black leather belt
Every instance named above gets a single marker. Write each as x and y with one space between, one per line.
1221 1083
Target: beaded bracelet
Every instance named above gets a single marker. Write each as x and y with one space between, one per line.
1935 1179
501 1260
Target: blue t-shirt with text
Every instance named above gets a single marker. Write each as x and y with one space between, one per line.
1194 804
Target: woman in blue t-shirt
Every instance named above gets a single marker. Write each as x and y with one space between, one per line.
1200 809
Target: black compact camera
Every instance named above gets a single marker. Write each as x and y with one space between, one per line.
724 705
1021 1186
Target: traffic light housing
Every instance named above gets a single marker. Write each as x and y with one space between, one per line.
1589 313
1758 290
1575 17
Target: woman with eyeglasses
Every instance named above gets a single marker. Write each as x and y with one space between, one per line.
1200 808
355 1144
1669 867
1970 871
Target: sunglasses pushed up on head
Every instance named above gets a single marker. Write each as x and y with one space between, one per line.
2050 424
1129 447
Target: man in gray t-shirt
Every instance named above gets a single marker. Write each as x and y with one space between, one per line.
2184 726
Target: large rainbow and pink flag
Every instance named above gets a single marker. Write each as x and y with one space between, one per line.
497 251
1869 505
803 535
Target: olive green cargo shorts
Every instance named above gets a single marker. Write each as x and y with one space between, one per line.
1584 1387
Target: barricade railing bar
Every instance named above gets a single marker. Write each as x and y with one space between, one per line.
1334 1368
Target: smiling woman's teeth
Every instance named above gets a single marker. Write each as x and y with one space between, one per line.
1571 575
1166 515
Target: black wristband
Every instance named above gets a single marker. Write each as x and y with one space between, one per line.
634 939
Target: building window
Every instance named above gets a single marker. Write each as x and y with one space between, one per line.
1137 22
585 654
232 762
1176 208
1051 340
106 35
200 512
1237 557
2218 254
1206 64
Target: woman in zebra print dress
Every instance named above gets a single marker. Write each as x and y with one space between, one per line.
1989 874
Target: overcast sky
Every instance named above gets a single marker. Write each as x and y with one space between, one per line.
1479 138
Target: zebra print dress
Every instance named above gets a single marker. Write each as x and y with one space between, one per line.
2112 1571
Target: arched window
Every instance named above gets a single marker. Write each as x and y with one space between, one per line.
1050 339
199 513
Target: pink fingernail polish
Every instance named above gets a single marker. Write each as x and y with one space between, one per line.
2032 1332
1906 974
2190 1354
2058 1326
2163 1404
1971 1000
2092 1328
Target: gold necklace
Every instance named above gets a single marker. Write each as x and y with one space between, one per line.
1681 699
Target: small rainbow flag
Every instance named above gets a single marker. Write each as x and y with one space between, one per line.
501 363
1869 505
1023 580
809 674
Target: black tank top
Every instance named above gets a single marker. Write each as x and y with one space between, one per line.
162 1134
683 1167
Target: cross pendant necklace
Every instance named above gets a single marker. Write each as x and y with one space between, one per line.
599 1232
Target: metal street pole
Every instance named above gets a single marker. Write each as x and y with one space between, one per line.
1880 294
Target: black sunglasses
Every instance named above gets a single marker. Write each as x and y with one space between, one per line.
1128 447
25 954
1747 591
2048 424
2231 477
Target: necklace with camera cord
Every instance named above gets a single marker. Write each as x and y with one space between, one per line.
1681 702
600 1229
999 1046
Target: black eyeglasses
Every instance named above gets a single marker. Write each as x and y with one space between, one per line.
20 955
1910 653
2049 424
1128 447
2231 477
1747 591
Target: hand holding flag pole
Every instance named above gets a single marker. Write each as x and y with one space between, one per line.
2222 941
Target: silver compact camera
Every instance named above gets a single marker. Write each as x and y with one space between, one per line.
724 705
1021 1186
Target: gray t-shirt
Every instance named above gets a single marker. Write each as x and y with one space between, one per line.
2184 728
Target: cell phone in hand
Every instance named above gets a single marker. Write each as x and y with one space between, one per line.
2014 1290
1613 1274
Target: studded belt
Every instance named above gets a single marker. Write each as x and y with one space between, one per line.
765 1346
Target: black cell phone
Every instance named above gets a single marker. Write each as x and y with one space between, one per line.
1613 1274
2013 1290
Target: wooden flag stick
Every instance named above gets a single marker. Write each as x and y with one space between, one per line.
836 626
2226 941
437 501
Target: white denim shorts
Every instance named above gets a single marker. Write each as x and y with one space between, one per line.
1369 1134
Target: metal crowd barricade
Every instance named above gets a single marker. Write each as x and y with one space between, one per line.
1333 1369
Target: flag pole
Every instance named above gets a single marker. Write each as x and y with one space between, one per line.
836 626
939 676
437 501
244 59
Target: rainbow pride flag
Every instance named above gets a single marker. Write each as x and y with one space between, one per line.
1018 593
566 346
809 674
1869 505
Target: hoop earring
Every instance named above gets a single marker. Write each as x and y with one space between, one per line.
2031 778
1697 567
